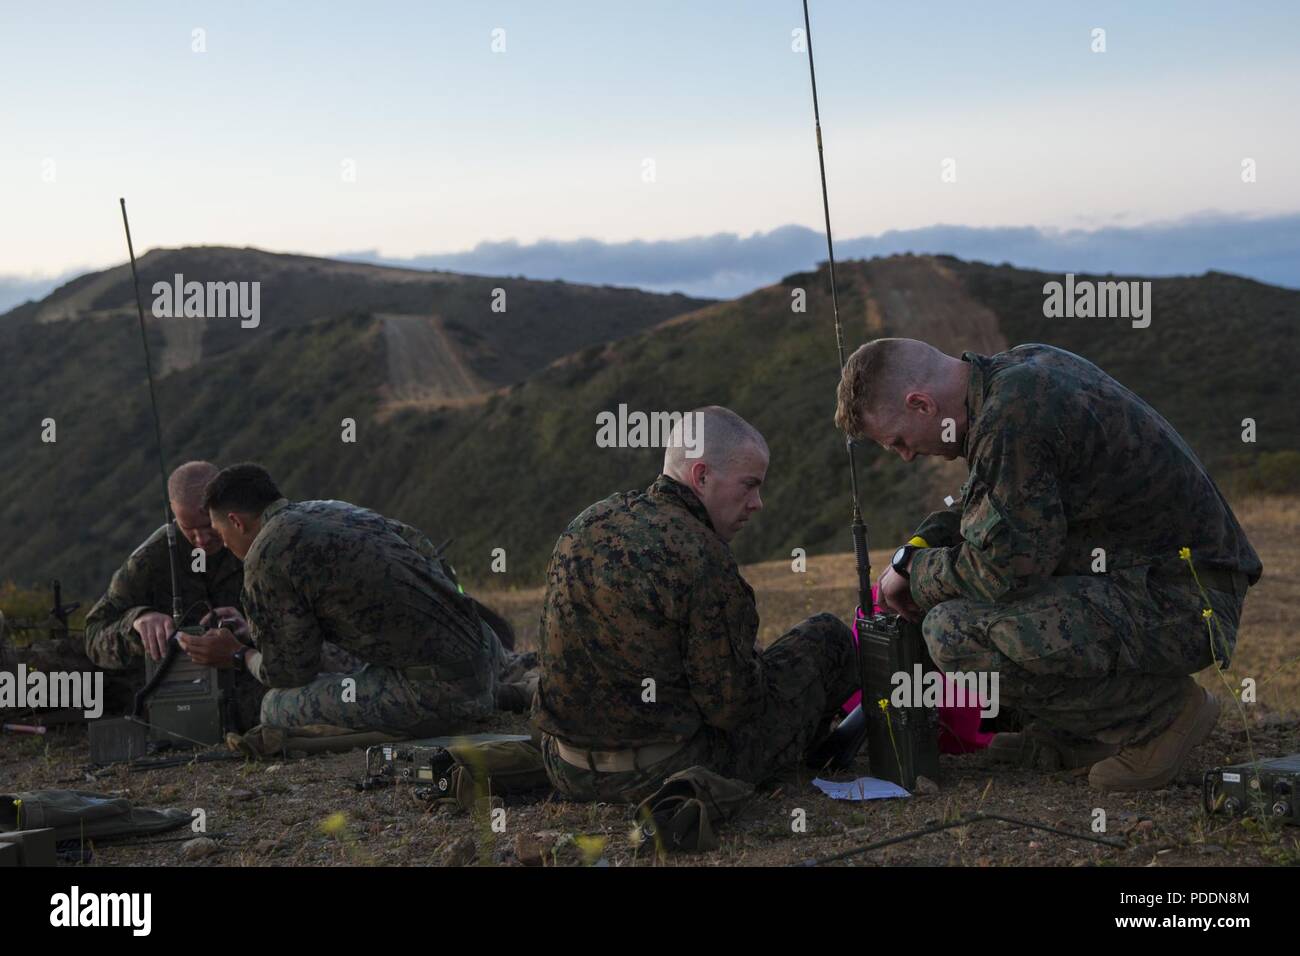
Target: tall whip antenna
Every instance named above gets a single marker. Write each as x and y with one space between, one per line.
859 529
852 733
177 613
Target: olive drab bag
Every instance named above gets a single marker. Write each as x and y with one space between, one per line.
74 814
684 813
495 768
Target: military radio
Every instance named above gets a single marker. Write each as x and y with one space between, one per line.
427 764
902 742
1271 787
188 704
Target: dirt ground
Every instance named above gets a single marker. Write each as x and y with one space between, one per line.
309 812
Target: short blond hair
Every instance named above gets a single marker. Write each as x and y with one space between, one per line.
878 376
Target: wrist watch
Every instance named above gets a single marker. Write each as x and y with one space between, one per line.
902 557
238 658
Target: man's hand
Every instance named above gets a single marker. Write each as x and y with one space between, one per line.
896 596
154 629
232 619
213 648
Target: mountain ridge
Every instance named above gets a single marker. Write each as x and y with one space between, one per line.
509 465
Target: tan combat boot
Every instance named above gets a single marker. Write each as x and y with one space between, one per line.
1155 763
1039 749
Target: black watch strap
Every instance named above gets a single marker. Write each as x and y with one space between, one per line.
901 568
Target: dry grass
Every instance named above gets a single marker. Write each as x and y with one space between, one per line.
1267 649
306 811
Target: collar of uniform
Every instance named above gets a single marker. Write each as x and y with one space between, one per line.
974 395
274 508
672 490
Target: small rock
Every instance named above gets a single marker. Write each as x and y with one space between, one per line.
1211 848
266 847
460 852
198 848
534 849
1144 826
1034 844
926 786
241 795
273 768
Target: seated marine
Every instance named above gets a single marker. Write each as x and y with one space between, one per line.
133 620
317 571
648 642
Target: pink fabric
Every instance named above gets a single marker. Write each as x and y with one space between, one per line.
959 727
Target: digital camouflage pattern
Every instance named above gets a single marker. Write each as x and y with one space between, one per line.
1065 460
143 584
640 588
323 571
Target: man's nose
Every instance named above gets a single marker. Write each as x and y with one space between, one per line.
758 502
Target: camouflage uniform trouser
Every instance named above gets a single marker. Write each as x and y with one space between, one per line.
382 698
378 698
1095 657
811 670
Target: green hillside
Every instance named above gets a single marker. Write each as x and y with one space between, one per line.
511 468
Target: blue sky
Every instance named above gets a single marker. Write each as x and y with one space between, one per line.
454 145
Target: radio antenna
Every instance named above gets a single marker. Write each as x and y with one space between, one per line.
177 612
859 529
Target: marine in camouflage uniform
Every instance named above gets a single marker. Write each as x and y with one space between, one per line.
640 588
330 571
1063 461
142 585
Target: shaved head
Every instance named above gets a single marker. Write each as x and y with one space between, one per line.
721 436
186 484
185 491
725 465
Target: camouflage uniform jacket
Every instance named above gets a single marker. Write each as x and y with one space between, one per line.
143 584
331 571
641 588
1063 460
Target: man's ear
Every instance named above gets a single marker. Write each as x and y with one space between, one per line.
921 402
698 472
